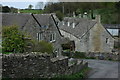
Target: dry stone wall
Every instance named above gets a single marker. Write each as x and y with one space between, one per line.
36 66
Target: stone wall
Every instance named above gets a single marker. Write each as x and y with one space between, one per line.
37 66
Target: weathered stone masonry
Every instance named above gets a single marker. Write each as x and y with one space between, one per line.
37 66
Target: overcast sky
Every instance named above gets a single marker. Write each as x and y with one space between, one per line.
22 4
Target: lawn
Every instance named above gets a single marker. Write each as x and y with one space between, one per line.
32 11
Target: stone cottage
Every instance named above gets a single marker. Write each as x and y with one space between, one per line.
114 29
38 26
88 35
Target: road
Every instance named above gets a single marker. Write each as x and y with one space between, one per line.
103 69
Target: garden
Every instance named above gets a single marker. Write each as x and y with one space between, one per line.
15 41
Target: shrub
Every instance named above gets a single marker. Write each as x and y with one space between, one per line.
43 47
79 55
12 39
59 15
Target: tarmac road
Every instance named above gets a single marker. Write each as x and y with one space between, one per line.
103 69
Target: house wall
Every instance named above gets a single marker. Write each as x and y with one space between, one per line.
93 41
32 28
71 37
98 37
84 42
58 37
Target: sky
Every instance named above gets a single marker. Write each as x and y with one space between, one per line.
22 4
19 5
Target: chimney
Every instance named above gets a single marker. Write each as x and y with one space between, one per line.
85 15
63 23
98 18
73 24
74 14
80 15
68 23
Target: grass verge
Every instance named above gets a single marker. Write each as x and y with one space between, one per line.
77 76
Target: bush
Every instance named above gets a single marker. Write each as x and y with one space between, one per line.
59 15
12 39
79 55
43 47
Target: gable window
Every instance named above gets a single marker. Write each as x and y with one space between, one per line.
52 37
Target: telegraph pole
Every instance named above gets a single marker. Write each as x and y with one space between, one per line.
63 8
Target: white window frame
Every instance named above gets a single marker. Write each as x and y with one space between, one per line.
40 36
53 37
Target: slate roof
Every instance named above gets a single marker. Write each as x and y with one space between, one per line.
26 19
112 26
82 26
43 19
15 19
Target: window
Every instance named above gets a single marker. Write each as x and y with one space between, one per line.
40 36
53 36
44 26
107 40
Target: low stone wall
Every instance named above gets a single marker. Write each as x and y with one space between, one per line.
106 56
37 66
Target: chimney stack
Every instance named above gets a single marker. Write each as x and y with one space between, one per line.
98 18
74 14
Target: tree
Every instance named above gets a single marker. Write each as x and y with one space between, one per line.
59 15
13 10
43 47
30 6
40 5
6 9
12 39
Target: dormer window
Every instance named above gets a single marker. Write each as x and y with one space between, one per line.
44 26
73 25
68 23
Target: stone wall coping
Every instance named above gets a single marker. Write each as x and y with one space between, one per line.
26 55
58 58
